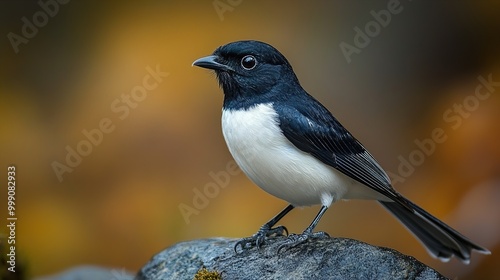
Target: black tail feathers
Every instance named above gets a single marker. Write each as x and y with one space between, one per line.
441 240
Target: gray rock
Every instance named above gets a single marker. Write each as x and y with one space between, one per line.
89 272
328 258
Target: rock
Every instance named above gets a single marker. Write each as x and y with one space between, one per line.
90 272
327 258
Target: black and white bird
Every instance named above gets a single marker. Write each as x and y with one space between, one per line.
292 147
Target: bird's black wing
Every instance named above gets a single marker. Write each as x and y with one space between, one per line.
312 129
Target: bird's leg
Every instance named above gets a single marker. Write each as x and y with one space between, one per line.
265 231
296 239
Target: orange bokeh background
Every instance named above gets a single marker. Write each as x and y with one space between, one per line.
120 204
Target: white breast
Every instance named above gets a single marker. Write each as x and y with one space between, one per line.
277 166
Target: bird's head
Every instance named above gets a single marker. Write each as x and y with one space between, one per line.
247 69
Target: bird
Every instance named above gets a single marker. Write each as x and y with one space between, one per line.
292 147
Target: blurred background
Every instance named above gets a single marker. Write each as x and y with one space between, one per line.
72 66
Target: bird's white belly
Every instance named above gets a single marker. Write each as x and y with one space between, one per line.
256 142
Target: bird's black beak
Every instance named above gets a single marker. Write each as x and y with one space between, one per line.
211 63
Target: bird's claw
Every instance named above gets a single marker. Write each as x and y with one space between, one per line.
259 238
295 239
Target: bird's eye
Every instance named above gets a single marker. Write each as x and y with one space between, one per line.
248 62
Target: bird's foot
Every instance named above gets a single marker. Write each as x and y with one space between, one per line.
295 239
259 238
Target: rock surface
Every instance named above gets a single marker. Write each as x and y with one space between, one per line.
89 272
328 258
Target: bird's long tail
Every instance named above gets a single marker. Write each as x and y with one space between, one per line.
441 240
